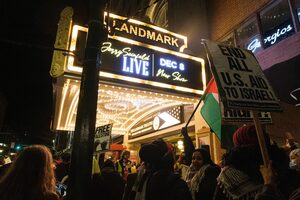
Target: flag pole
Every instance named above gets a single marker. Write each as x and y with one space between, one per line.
193 113
202 97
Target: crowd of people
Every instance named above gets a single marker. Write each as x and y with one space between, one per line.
241 175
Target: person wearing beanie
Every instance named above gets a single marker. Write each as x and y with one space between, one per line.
156 179
246 135
241 178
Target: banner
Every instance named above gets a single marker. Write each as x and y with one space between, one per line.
103 137
240 80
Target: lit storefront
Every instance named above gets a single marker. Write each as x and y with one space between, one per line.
148 86
272 34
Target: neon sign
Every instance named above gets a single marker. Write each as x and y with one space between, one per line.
279 33
135 66
272 39
254 45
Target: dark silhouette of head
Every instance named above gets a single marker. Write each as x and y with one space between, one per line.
108 164
66 157
159 154
125 154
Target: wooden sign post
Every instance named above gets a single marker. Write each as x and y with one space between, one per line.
261 139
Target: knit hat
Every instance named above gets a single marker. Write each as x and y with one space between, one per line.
246 135
159 153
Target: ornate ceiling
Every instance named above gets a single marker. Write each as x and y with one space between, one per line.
122 106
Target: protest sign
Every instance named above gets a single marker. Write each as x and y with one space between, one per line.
102 137
240 80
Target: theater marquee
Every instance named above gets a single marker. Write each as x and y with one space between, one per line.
144 54
122 27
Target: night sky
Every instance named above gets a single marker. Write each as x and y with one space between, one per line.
27 35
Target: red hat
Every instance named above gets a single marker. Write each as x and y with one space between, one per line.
245 135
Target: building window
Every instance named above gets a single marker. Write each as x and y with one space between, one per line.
229 40
247 36
297 5
277 23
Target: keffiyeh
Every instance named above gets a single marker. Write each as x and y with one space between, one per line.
237 185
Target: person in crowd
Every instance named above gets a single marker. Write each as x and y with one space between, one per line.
224 158
131 178
124 165
108 185
62 168
101 160
202 175
291 144
240 178
295 159
189 147
270 189
2 160
156 179
3 165
30 177
178 164
287 179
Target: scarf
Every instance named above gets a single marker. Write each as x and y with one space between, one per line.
196 180
237 185
139 187
190 174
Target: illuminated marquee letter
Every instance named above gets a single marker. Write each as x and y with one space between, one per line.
135 66
145 68
170 64
125 67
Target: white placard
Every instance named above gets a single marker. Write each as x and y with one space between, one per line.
102 137
240 80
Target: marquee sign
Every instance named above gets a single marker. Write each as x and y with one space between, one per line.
158 121
122 27
147 65
131 61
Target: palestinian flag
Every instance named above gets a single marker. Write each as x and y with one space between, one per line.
211 111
